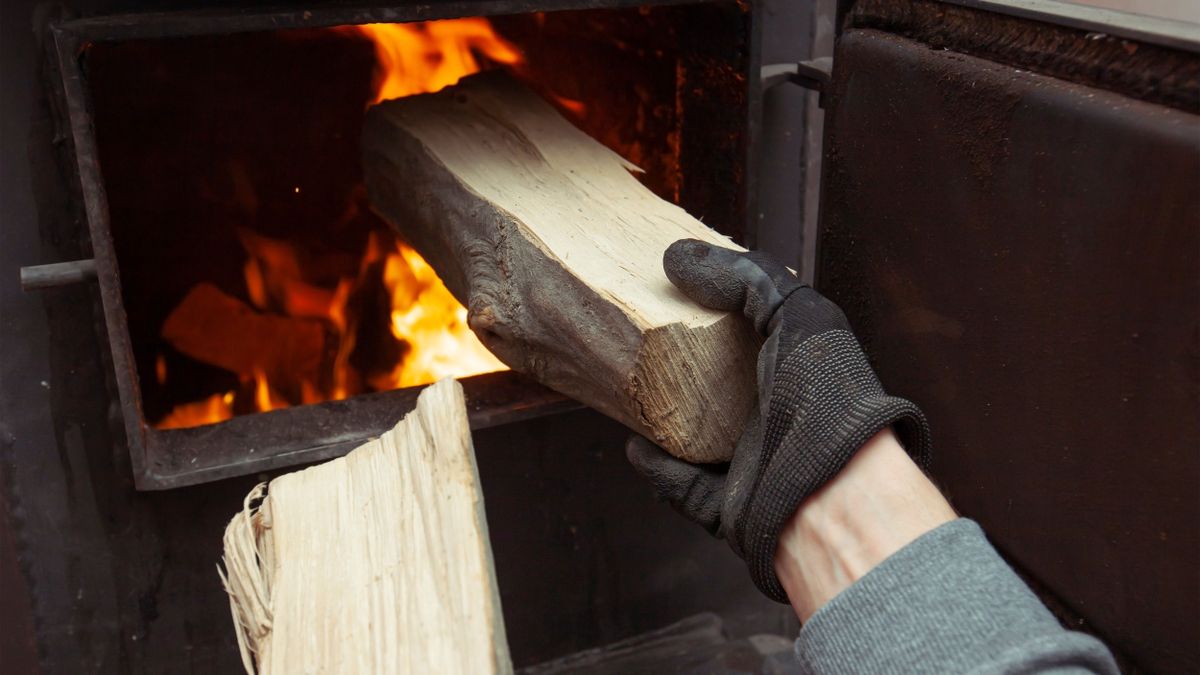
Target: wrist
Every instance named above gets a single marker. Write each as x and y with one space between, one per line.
879 503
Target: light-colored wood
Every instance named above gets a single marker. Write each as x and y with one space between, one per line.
556 250
377 562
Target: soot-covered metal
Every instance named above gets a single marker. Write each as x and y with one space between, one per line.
1020 254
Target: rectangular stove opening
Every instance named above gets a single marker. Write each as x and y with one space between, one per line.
252 273
255 275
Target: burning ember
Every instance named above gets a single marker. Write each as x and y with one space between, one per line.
300 334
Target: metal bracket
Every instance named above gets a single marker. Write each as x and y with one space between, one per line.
814 74
56 275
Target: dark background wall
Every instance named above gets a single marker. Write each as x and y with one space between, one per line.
97 577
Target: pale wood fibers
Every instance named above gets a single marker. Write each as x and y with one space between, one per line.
377 562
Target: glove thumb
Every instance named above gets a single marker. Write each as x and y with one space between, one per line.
719 278
695 491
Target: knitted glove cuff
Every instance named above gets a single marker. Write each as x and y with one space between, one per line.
833 420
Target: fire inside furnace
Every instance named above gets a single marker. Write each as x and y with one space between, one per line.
299 334
253 272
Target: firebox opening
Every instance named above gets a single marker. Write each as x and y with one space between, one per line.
255 275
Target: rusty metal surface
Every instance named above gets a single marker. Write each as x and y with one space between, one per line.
165 459
213 19
1144 28
1021 256
1144 71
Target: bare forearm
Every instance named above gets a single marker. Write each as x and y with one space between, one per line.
876 505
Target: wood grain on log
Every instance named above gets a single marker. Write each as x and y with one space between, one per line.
556 250
376 562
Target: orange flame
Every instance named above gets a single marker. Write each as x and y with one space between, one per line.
215 408
576 108
427 323
426 315
265 399
419 58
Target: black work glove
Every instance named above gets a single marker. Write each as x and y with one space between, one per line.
818 403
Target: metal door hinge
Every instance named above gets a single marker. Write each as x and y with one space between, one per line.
813 74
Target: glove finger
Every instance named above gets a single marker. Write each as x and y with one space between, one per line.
728 280
695 491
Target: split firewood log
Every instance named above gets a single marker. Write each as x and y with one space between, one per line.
556 250
376 562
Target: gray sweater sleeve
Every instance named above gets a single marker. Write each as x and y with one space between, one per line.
946 603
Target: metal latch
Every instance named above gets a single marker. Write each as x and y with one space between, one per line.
55 275
814 74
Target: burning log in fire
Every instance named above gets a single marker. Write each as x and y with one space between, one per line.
218 329
296 342
299 337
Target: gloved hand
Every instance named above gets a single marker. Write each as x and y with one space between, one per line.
818 403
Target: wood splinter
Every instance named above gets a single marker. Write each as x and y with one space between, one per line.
556 251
